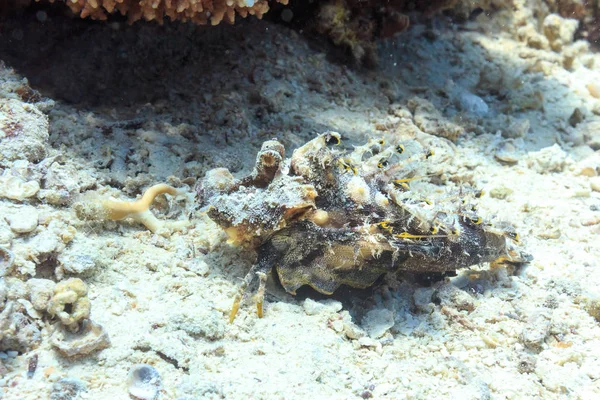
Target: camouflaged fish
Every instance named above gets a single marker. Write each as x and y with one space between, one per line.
328 217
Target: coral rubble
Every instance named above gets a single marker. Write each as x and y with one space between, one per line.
70 302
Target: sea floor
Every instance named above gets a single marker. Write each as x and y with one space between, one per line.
91 110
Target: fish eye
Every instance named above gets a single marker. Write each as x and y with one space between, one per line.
476 221
383 163
513 235
332 140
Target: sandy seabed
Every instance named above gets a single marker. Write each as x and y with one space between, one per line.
89 111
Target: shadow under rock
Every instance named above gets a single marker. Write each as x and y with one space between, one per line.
179 97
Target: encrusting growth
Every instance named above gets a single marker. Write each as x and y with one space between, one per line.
138 210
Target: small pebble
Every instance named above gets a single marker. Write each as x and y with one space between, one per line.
594 89
12 353
23 220
549 234
595 183
576 117
3 355
501 192
590 221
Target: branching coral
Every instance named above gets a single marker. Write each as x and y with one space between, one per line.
138 210
197 11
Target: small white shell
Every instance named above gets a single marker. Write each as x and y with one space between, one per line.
507 152
144 382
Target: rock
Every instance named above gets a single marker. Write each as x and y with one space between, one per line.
23 132
535 332
517 128
67 389
40 292
23 220
144 382
23 335
200 321
377 322
526 364
7 259
595 183
501 192
312 307
594 89
559 31
576 117
78 264
451 296
6 234
352 331
422 298
549 159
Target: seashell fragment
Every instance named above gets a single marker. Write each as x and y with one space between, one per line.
91 337
507 152
14 188
144 382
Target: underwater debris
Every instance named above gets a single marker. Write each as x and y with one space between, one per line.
138 210
327 217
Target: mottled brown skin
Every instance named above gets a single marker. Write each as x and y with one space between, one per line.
325 258
331 218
